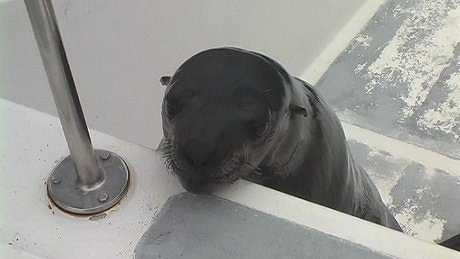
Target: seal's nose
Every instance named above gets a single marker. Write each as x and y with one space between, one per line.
198 153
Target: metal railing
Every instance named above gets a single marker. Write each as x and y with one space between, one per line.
88 181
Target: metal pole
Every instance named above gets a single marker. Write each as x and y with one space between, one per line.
82 183
54 59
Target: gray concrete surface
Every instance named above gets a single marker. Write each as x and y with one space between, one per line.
400 77
192 226
424 200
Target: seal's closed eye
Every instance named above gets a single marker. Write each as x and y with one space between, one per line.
171 108
259 130
176 98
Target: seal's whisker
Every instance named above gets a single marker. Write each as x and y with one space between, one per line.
168 148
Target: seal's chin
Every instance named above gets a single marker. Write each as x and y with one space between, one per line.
195 186
208 178
206 184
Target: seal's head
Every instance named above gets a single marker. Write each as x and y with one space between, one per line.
222 112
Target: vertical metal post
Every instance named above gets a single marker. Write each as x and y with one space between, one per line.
47 34
96 184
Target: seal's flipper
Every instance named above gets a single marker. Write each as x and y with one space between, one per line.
165 80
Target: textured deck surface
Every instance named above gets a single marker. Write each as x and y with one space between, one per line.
192 226
400 77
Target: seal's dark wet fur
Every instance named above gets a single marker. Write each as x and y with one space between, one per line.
230 113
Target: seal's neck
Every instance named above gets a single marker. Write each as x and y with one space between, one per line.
311 157
294 135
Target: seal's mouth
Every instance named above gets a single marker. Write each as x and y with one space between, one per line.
221 178
220 173
228 177
197 182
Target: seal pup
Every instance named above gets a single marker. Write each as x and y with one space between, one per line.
229 113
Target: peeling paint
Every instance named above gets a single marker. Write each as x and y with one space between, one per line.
362 40
420 196
400 75
396 88
421 49
440 117
426 227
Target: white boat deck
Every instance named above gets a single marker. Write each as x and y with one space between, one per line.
32 142
32 227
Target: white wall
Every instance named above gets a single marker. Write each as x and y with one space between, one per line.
118 50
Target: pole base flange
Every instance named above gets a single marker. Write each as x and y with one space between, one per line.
67 192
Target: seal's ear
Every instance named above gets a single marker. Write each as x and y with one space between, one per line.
164 80
295 109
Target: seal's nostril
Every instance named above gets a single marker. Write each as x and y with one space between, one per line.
196 161
204 163
189 160
198 154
